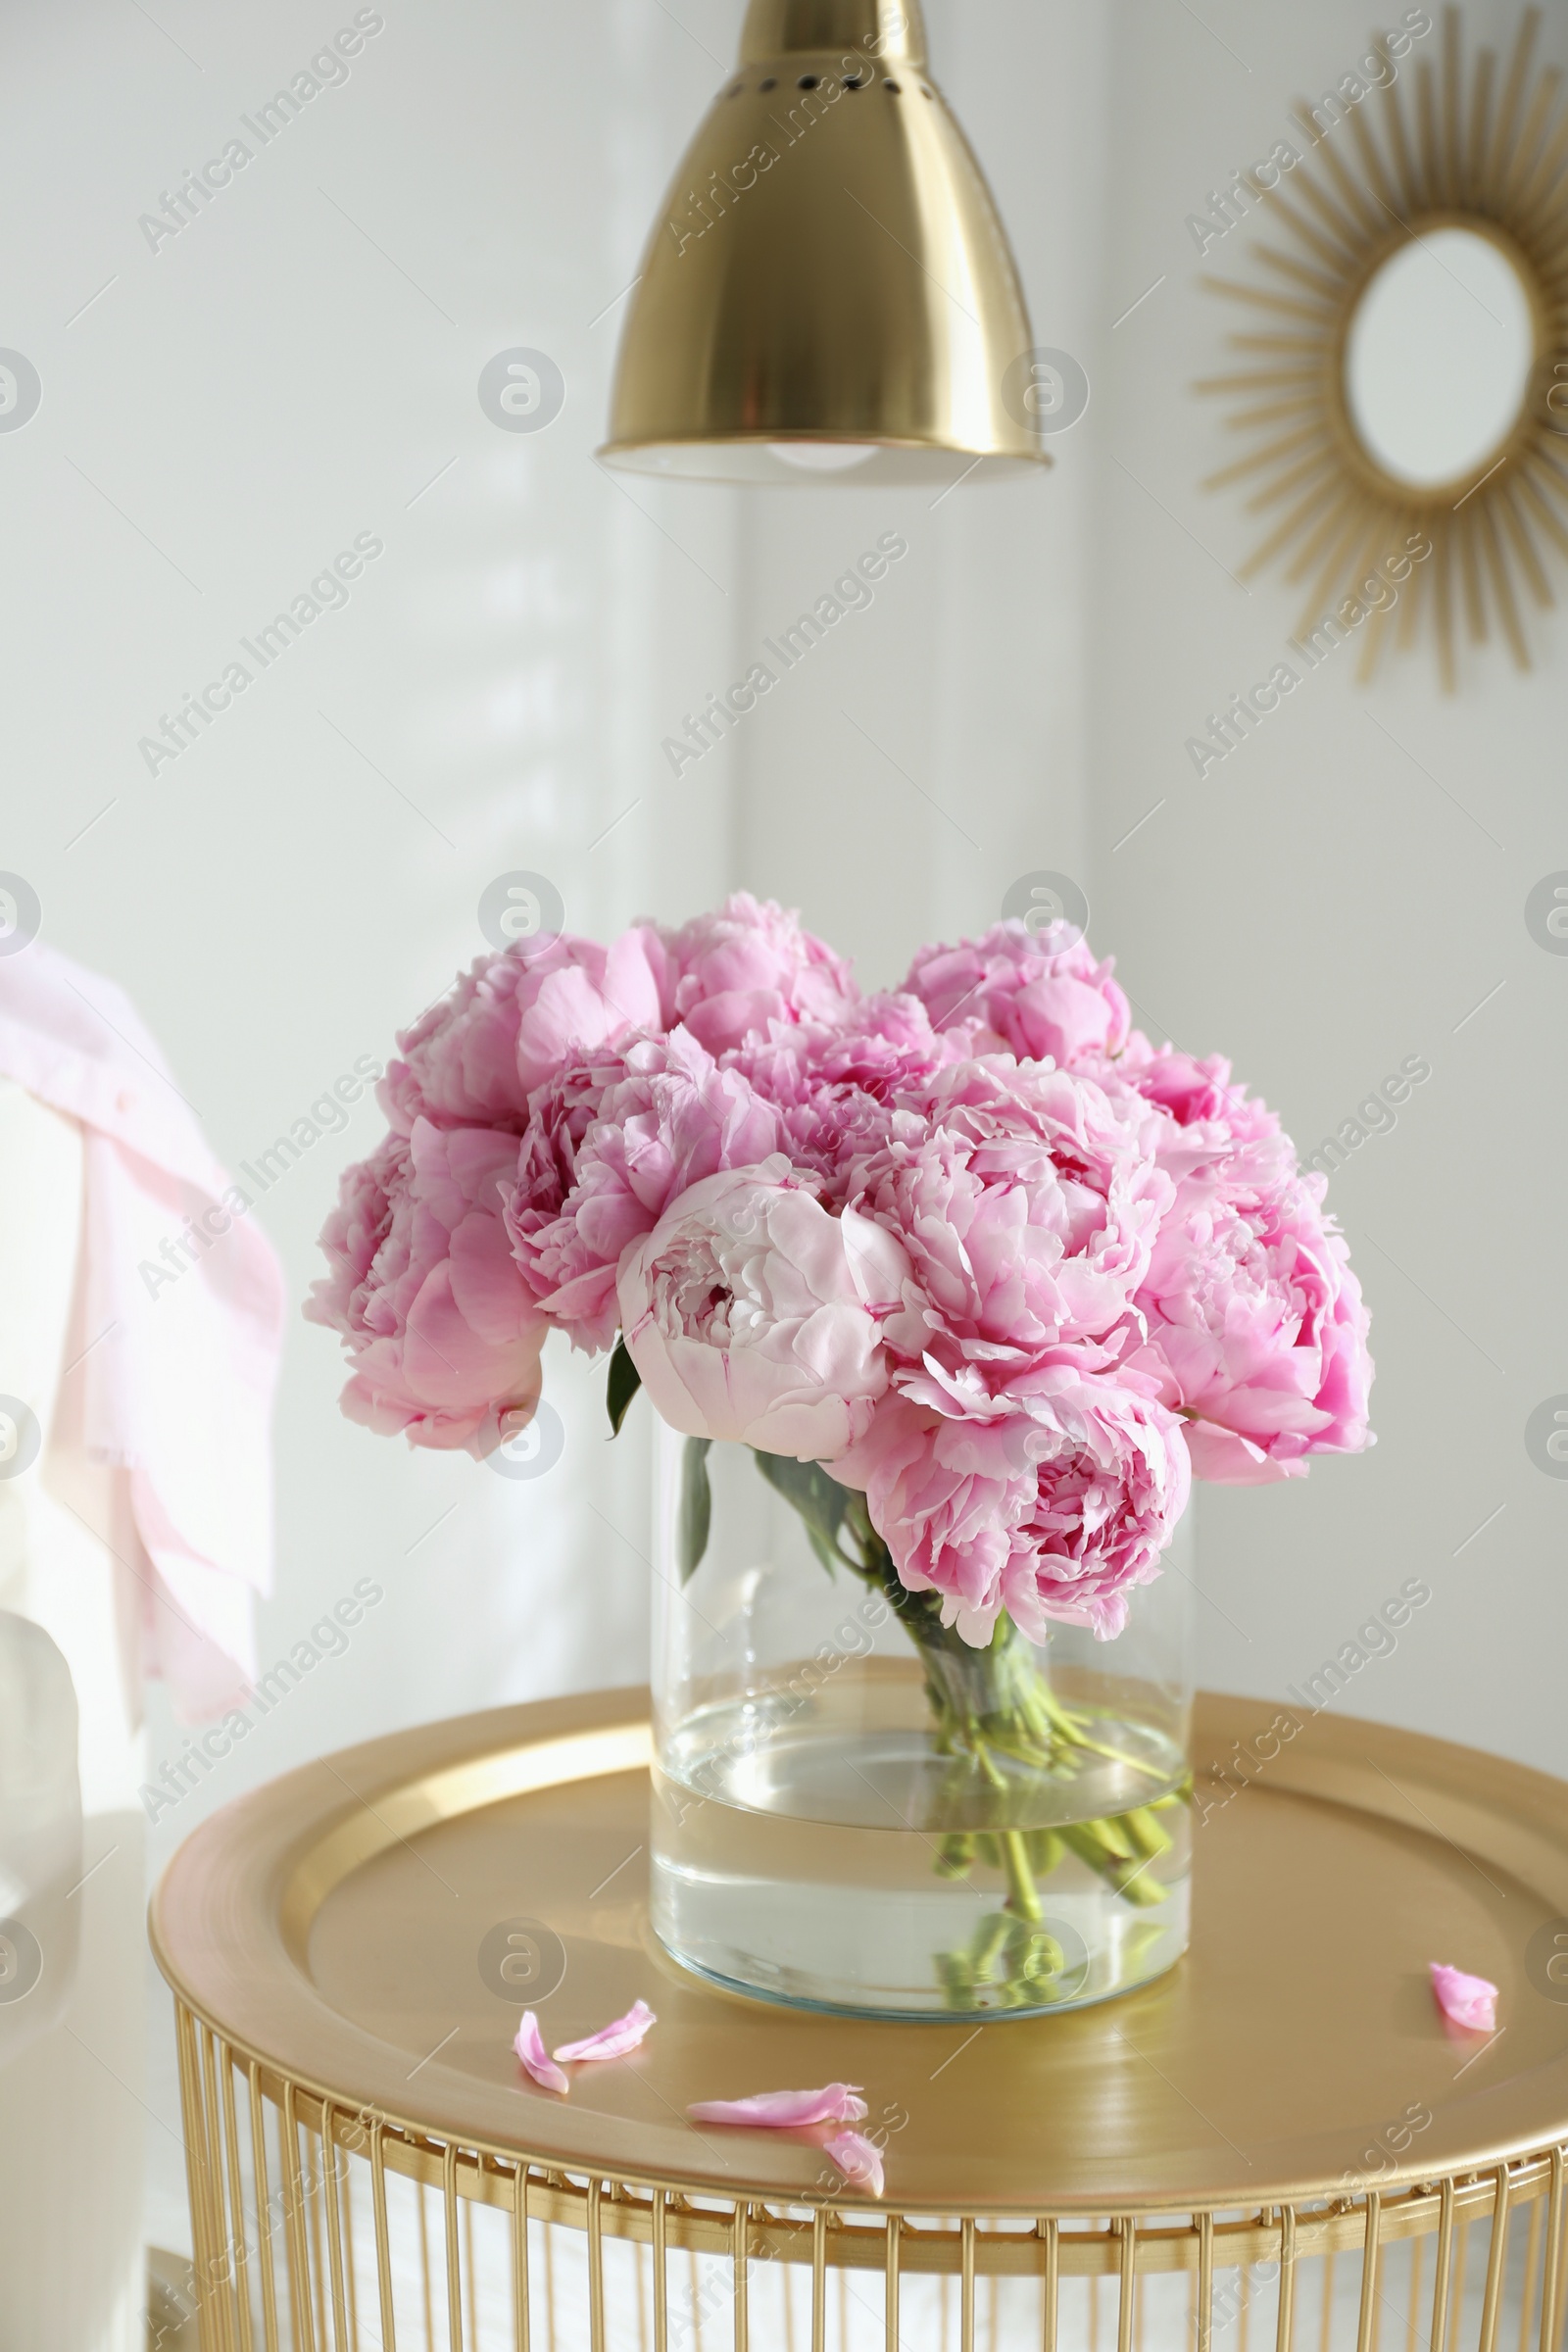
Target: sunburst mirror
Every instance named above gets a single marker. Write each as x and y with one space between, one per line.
1405 390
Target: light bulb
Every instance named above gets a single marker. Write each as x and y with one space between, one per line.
823 457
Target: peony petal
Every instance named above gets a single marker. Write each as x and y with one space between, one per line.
535 2058
1471 2001
785 2110
613 2041
739 1314
858 2159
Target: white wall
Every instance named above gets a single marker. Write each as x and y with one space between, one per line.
1339 895
934 750
1321 908
230 411
306 876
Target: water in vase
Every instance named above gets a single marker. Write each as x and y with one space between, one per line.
826 1846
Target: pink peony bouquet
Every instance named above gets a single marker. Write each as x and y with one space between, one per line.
1008 1272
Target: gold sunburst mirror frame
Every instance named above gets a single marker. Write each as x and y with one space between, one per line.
1478 152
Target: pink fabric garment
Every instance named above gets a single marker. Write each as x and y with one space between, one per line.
179 1371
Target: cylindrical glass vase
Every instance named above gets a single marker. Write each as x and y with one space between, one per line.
853 1809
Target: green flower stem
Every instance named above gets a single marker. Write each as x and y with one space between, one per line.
1044 1848
956 1855
1023 1895
1146 1833
991 1706
988 1946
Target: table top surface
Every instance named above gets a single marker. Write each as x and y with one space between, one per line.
344 1925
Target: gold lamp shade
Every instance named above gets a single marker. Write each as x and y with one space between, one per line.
828 293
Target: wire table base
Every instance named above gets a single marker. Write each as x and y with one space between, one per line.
379 2236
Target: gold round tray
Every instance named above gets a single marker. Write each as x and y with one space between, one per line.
1288 2091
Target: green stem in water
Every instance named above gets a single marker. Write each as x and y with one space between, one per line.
992 1705
1023 1895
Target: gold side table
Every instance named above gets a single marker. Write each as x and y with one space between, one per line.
1280 2142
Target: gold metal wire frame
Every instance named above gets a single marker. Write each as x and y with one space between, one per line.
323 2227
1488 153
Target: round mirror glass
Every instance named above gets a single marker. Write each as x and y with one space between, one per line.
1438 357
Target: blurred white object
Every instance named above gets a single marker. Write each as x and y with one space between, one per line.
40 1835
135 1529
72 2271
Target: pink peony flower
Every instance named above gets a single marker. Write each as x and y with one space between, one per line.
751 965
1196 1116
561 1113
1028 1210
516 1019
443 1332
535 2059
616 2041
785 2110
578 1011
979 1240
858 2159
1471 2001
834 1086
1040 995
1196 1094
1055 1509
747 1311
1258 1329
672 1119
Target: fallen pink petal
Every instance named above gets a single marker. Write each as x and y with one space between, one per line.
785 2110
858 2159
1469 2000
613 2041
535 2058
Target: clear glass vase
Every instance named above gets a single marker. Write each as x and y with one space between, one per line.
856 1810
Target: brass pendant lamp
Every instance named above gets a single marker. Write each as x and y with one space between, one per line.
828 293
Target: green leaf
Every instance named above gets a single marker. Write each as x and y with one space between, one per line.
820 1500
696 1514
624 1381
809 1488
